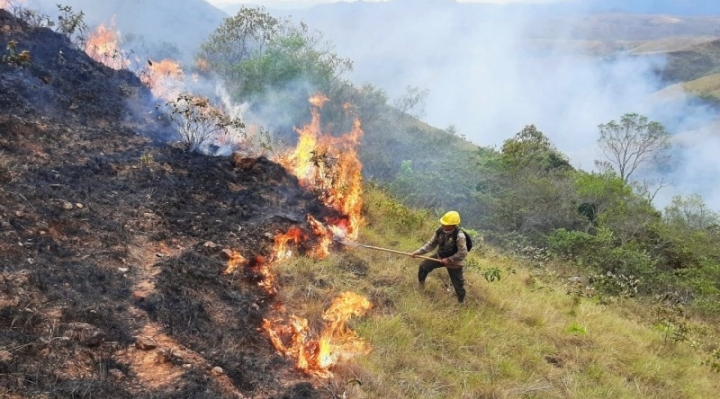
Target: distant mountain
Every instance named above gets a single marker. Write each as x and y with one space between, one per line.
174 27
672 7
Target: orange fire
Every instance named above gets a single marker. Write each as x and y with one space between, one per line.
103 46
267 280
164 78
235 260
259 266
335 343
294 235
329 165
324 234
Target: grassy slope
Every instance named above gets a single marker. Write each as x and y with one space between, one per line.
520 337
707 86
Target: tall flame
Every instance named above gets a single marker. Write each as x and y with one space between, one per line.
164 78
335 343
330 165
103 46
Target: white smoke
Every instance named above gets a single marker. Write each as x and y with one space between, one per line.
490 73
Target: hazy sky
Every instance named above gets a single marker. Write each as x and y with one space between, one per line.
290 3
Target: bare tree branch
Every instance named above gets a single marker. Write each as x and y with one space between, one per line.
632 143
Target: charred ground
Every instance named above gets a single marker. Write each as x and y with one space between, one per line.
113 242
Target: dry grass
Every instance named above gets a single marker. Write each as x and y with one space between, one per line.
707 85
670 44
519 337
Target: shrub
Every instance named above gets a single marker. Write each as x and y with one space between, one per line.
570 244
13 57
198 121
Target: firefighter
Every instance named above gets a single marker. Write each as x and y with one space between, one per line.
452 248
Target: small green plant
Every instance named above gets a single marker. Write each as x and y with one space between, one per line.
406 218
492 274
72 25
577 329
198 121
13 57
713 361
672 322
577 290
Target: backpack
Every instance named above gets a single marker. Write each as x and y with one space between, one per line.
468 240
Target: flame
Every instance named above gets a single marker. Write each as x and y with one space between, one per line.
259 266
331 166
267 280
294 235
235 260
328 165
164 78
335 343
103 46
325 236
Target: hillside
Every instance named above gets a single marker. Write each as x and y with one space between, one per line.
113 243
154 27
686 61
133 268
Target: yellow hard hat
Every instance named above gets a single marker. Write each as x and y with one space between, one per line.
451 218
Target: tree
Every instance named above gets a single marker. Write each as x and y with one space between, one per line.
413 102
531 148
633 142
261 54
691 212
238 38
598 193
527 188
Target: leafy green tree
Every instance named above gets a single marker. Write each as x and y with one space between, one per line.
260 54
293 56
597 193
238 39
632 142
531 148
527 188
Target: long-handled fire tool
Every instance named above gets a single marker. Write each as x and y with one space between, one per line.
355 244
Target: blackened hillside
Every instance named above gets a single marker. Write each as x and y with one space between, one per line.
113 244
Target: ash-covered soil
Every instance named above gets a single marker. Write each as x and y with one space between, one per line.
113 242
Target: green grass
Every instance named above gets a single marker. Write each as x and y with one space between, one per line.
523 336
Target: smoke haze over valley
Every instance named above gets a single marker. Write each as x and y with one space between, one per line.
492 69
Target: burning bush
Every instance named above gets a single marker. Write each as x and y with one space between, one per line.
198 121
